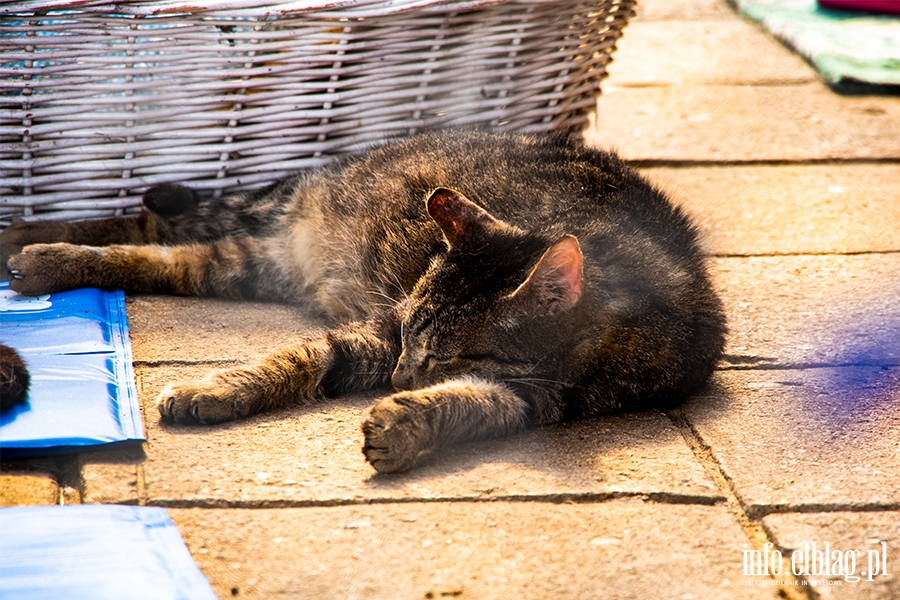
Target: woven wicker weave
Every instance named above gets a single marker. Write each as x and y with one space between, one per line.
100 100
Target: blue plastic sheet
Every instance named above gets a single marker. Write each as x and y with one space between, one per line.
97 552
78 352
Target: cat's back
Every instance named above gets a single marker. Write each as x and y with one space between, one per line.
535 182
359 230
513 176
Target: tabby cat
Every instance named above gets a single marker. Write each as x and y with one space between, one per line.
497 281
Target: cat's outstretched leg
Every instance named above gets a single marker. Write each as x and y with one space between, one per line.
402 427
355 357
144 229
239 269
173 214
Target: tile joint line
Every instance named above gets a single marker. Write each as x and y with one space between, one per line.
756 533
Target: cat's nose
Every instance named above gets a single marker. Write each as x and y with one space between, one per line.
401 378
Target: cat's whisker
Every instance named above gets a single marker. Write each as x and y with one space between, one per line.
382 294
546 385
395 279
535 365
522 379
382 305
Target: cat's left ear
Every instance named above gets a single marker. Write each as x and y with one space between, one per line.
458 217
556 282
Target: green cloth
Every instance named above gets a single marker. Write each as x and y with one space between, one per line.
847 48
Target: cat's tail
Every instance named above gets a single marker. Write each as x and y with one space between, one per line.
193 217
14 378
182 211
171 200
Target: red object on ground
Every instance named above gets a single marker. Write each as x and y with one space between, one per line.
872 6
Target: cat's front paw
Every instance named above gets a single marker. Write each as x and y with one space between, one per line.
22 233
47 268
396 432
203 403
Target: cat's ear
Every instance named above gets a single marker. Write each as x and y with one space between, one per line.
556 282
459 218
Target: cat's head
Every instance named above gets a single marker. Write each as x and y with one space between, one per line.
488 306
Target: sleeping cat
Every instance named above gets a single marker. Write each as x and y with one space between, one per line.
497 281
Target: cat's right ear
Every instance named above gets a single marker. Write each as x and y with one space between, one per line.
458 217
555 284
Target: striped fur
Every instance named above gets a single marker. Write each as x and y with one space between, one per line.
497 281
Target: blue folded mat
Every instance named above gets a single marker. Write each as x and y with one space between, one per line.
78 352
97 552
849 49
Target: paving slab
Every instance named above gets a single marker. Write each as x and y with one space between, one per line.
872 574
801 311
737 123
113 476
811 439
312 455
170 328
28 488
800 209
471 550
707 51
40 480
682 10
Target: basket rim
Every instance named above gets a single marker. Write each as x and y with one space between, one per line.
351 8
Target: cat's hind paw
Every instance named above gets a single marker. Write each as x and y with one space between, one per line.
202 403
396 434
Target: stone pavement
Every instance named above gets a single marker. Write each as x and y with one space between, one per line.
795 442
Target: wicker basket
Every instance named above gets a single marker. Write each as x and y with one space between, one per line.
99 100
